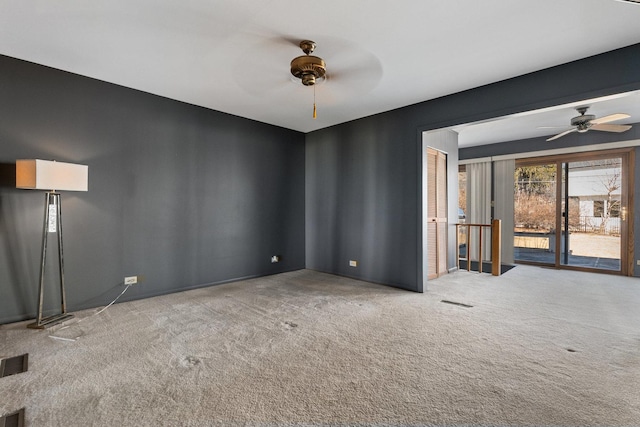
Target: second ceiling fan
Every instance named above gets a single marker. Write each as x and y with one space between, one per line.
585 122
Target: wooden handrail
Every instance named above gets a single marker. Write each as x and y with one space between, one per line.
495 228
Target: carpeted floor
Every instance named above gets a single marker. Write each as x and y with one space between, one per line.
538 347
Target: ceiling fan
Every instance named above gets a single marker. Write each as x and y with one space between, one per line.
343 71
309 68
585 122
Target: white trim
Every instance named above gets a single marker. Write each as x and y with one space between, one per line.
556 151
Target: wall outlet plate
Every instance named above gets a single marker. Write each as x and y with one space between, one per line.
353 263
131 280
275 258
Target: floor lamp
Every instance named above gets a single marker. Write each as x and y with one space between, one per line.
51 176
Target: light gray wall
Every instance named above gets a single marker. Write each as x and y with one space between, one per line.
363 189
179 194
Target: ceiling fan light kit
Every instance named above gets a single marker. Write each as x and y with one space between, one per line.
585 122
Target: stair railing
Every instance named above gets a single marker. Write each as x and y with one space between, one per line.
495 230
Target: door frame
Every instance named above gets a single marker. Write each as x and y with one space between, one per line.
440 218
446 141
627 202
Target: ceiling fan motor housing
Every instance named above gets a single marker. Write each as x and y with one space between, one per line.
308 68
582 122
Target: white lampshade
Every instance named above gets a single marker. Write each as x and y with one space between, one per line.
50 175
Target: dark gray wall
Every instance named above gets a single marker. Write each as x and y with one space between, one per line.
636 214
188 197
360 206
532 145
179 194
363 195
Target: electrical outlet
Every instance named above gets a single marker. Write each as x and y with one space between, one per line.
638 262
275 258
131 280
353 263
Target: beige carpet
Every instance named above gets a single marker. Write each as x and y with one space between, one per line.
538 347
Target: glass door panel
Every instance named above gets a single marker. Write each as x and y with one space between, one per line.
592 213
535 213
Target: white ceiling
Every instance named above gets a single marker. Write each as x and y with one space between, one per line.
234 55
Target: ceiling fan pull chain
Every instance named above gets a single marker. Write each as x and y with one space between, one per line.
314 102
308 68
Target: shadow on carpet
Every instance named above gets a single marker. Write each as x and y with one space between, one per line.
486 267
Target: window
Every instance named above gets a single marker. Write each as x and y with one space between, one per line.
462 193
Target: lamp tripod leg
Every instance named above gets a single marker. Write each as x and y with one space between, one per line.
63 300
51 200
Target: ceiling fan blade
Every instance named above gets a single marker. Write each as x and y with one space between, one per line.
352 70
561 134
610 118
611 128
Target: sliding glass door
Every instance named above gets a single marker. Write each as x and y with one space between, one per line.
571 211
